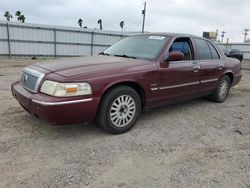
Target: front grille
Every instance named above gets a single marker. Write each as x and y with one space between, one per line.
30 79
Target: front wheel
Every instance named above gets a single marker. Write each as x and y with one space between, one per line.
119 110
221 92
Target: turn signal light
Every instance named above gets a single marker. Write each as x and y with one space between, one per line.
71 89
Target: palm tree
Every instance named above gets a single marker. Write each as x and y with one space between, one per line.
18 13
7 15
100 22
21 18
122 24
80 22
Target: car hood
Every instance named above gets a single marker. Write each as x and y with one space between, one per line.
93 65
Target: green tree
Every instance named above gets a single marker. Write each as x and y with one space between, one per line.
100 22
21 18
7 15
18 13
122 25
80 22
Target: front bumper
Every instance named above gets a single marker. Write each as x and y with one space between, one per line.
56 110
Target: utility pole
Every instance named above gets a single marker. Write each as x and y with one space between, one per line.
144 14
227 42
222 35
245 34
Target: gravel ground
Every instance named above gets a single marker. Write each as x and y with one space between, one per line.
192 144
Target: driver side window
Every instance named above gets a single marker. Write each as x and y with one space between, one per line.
182 45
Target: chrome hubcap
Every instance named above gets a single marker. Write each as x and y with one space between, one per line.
223 90
122 110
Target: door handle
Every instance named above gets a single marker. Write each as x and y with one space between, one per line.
196 68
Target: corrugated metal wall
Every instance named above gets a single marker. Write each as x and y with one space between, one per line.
243 47
21 39
3 43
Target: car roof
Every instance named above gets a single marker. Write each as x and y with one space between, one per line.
168 34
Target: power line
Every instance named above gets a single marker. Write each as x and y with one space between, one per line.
245 34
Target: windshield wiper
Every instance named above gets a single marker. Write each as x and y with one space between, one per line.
132 57
103 53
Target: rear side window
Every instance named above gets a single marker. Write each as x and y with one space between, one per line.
203 49
214 52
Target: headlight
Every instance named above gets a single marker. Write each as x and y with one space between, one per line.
65 89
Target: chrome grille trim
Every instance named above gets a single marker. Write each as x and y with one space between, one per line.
34 73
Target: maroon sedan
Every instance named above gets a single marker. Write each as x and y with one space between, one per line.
137 72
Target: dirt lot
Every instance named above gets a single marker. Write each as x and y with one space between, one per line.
193 144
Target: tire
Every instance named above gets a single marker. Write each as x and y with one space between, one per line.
221 92
119 110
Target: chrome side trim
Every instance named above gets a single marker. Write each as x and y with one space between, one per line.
180 85
210 80
61 103
154 89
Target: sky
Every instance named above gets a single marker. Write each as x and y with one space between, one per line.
183 16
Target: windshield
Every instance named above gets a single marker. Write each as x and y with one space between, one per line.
137 47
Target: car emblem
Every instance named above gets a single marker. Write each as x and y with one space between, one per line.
25 78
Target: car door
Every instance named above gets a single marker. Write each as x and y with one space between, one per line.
179 79
212 66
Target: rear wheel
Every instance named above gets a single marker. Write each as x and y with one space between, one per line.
119 110
221 92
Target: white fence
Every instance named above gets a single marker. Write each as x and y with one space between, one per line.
21 39
243 47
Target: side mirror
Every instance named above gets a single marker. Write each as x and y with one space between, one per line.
174 56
